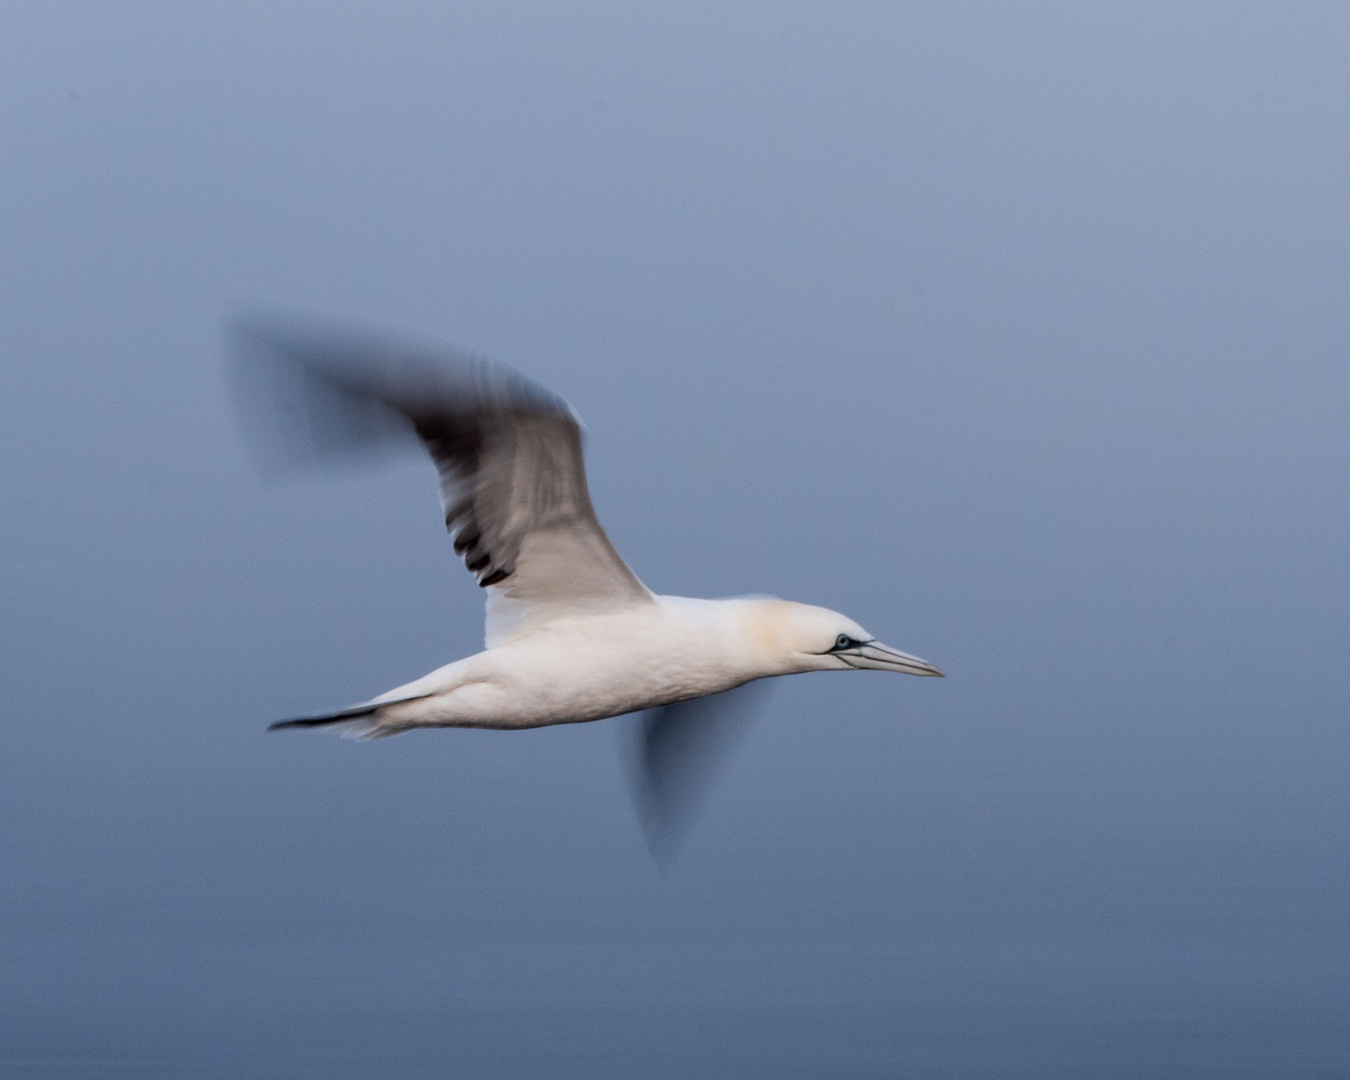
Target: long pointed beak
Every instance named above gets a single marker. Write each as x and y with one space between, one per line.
879 657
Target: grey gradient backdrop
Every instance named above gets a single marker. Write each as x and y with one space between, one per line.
1017 332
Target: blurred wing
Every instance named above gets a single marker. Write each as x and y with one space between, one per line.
677 753
512 480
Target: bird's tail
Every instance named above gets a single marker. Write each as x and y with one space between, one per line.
354 722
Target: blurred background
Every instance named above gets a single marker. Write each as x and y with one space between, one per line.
1016 332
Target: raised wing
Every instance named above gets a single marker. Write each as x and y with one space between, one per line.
509 455
675 754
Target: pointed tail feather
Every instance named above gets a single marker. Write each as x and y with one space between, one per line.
355 712
356 722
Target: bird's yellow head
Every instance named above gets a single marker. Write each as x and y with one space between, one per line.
800 637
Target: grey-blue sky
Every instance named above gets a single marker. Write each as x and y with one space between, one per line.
1019 335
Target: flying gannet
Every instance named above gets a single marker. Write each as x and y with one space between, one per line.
572 634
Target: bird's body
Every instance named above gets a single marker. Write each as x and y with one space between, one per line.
572 634
594 665
586 668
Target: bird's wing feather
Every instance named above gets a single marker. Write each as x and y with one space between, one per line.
676 753
509 454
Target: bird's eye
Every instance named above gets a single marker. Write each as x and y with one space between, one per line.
843 641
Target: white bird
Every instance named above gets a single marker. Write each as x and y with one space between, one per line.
572 634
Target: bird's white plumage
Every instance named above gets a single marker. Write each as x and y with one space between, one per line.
585 667
595 664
